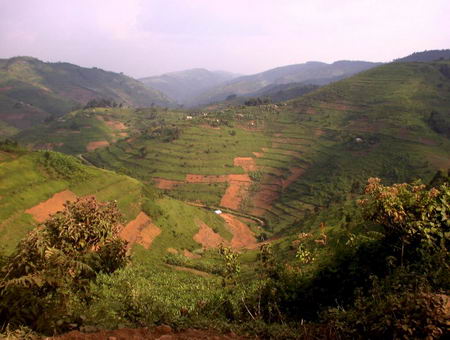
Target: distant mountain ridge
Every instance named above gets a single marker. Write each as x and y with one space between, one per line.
313 72
183 85
426 56
32 90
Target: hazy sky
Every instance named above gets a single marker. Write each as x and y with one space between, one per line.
148 37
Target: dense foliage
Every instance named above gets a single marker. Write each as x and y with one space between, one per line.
56 262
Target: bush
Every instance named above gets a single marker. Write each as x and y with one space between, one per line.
53 266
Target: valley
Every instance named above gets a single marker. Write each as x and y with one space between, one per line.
230 202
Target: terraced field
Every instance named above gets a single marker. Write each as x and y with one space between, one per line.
301 156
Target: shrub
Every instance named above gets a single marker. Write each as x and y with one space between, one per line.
55 263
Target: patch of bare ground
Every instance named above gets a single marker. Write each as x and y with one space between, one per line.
172 251
318 132
311 111
116 125
258 154
190 178
264 198
96 145
189 270
162 183
237 189
246 163
141 230
122 134
43 210
162 332
207 237
190 255
243 237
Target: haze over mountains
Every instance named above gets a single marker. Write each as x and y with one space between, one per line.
217 88
183 85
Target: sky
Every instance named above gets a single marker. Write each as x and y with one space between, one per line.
150 37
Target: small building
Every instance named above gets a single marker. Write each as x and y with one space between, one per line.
218 211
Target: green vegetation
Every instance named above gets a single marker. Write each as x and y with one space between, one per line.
342 259
32 91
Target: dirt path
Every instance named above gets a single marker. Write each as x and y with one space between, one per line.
162 332
96 145
43 210
243 237
207 237
141 230
237 189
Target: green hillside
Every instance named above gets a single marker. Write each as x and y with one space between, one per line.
341 255
308 153
32 91
30 178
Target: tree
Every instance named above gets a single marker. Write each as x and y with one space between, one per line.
55 263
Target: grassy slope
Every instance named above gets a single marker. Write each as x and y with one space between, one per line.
373 124
31 90
26 179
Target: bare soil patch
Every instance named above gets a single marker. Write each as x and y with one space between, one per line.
237 189
247 163
243 237
190 178
258 154
207 237
162 183
141 230
95 145
264 198
116 125
43 210
172 251
162 332
319 132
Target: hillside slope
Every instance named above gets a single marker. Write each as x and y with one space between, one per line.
34 185
183 85
32 90
425 56
316 73
283 162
